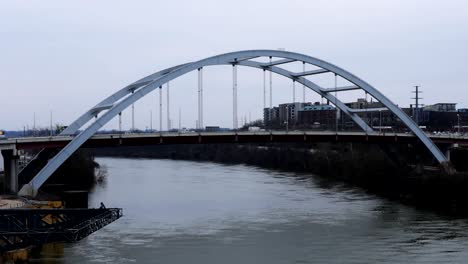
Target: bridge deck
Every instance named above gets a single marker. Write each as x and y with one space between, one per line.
136 139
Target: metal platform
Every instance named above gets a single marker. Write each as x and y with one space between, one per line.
23 227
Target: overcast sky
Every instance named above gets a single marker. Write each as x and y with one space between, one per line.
66 56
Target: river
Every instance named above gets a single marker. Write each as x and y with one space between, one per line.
198 212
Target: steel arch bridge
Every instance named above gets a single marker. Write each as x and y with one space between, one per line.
125 97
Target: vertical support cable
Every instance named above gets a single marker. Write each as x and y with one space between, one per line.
336 100
201 99
271 87
133 116
264 88
168 113
234 96
303 85
367 116
120 122
160 110
294 91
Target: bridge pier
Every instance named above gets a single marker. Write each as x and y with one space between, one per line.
448 149
447 153
11 165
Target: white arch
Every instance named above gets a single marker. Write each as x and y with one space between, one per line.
117 102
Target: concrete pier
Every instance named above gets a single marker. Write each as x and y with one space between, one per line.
11 166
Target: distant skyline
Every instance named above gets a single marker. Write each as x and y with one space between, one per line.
66 56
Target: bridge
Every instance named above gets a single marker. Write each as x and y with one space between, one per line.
271 61
274 136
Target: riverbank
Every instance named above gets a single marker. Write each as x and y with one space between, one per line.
48 218
383 171
79 172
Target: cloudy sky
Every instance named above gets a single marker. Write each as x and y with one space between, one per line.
65 56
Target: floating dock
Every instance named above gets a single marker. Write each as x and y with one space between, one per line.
25 227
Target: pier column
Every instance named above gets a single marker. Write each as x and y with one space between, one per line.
11 165
448 149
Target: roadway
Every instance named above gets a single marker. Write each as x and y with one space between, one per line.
141 139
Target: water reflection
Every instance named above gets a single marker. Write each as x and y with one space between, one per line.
189 212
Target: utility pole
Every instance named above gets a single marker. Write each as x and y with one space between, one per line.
416 105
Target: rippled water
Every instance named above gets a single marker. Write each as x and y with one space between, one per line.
190 212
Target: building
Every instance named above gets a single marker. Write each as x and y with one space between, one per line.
376 120
290 112
300 115
271 117
212 128
437 117
282 115
441 107
317 116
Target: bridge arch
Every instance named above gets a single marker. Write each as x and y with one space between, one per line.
125 97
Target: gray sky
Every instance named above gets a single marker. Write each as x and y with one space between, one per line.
66 56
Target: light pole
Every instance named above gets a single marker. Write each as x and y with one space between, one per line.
380 121
34 125
51 133
458 117
151 120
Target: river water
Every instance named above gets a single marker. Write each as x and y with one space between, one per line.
194 212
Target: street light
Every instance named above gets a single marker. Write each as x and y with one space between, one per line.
380 121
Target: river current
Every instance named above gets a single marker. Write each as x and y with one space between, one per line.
200 212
